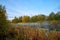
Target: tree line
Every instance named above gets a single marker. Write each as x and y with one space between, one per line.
37 18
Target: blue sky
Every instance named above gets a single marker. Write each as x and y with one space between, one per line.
30 7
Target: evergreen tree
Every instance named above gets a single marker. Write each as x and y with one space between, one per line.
3 21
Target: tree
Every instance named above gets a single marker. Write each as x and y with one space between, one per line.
51 16
3 18
3 22
25 19
33 19
41 18
20 19
58 16
15 20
